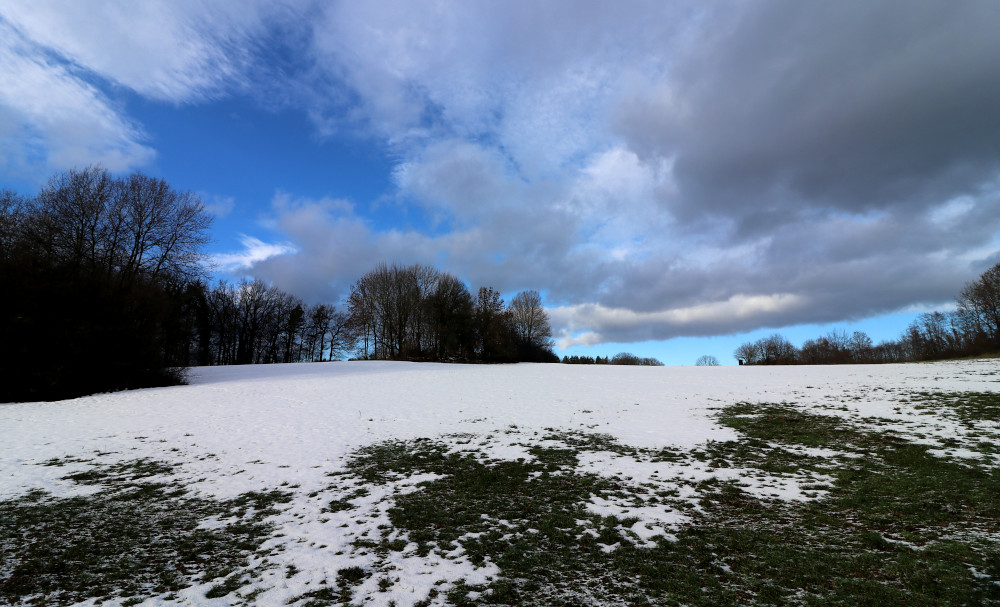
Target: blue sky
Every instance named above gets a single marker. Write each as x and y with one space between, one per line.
675 177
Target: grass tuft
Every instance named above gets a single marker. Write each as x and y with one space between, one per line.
133 539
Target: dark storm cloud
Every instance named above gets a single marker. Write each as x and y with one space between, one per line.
782 106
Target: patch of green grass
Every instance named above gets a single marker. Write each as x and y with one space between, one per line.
592 442
896 525
527 517
351 576
339 505
323 597
226 586
785 424
384 462
977 412
899 526
134 538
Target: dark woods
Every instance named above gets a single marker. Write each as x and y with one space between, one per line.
393 313
93 272
419 313
103 289
972 329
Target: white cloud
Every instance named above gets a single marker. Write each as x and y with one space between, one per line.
332 247
591 324
60 59
254 252
58 120
219 206
175 51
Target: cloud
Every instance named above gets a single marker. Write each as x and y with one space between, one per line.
332 247
592 324
255 251
658 171
54 118
63 62
219 206
852 106
170 51
538 80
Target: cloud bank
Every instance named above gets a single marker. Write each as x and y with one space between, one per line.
656 169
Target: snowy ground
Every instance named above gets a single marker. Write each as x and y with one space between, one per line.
255 428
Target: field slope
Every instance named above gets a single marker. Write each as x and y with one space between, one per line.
373 483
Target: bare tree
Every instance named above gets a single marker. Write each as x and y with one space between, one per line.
449 310
531 321
387 307
164 229
749 352
129 228
319 318
343 338
707 361
627 358
122 252
490 323
12 219
778 350
861 347
979 308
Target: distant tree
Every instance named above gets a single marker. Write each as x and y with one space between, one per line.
12 220
578 360
343 338
772 350
777 350
450 313
494 335
748 352
707 361
387 309
814 352
979 310
888 351
625 358
936 335
130 228
531 321
861 347
319 318
293 321
839 347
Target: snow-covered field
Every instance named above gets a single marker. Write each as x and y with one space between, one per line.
252 428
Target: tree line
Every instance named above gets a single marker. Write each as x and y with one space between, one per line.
104 289
93 271
393 313
972 329
622 358
419 313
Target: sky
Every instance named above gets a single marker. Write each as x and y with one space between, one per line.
675 177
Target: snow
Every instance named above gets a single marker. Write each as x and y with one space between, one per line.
237 429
